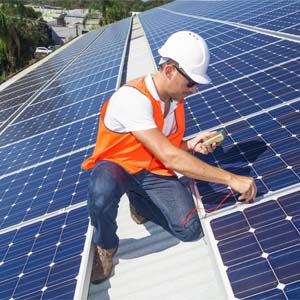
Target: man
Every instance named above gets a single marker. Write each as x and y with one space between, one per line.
139 148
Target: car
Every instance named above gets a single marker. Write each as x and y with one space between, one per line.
53 47
42 50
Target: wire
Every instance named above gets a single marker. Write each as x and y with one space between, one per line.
197 207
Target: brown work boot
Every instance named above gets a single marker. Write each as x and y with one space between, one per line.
135 216
103 264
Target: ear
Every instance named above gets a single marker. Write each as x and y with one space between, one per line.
168 71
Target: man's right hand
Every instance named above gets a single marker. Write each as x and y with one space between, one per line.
246 186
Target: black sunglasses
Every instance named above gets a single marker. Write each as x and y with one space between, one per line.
191 83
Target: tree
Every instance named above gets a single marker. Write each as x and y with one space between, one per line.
115 12
4 63
10 37
21 30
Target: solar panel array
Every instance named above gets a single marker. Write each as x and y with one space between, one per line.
42 260
16 94
278 15
259 247
43 219
49 118
254 96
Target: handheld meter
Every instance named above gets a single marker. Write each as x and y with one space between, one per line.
218 138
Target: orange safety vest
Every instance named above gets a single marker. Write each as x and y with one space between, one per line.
125 150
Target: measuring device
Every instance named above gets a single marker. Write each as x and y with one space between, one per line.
218 138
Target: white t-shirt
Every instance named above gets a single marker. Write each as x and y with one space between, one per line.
130 110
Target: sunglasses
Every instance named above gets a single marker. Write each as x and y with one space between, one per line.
191 83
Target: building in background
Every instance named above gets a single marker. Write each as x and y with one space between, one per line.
67 24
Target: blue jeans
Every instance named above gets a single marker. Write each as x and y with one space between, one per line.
163 200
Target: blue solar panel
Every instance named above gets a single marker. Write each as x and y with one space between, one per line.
235 53
260 247
43 189
19 92
41 153
53 119
53 143
262 147
43 259
73 89
243 97
277 15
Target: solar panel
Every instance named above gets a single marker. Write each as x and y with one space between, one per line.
252 146
259 247
277 15
243 97
20 91
43 215
48 145
43 189
236 53
254 96
43 259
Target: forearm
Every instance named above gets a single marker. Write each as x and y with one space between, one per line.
185 163
192 167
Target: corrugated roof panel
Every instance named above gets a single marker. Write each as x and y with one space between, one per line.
152 264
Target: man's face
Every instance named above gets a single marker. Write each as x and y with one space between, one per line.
183 86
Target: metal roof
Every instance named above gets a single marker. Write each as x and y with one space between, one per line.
152 264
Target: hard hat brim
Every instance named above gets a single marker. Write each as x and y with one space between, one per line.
201 79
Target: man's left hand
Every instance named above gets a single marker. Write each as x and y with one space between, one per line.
195 143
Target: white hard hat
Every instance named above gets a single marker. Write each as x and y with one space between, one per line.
190 51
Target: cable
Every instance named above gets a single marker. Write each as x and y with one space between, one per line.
196 208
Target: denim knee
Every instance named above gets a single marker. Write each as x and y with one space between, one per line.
98 199
190 232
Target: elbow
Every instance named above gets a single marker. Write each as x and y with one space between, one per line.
171 162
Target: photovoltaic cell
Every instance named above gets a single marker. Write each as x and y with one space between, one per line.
260 247
262 147
43 189
42 259
277 15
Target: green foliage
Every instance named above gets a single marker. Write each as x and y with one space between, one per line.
21 31
4 63
114 11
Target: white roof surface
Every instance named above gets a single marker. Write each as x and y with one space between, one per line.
152 264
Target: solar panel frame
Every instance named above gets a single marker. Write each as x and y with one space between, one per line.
260 236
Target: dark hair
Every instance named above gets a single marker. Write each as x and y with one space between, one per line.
168 62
